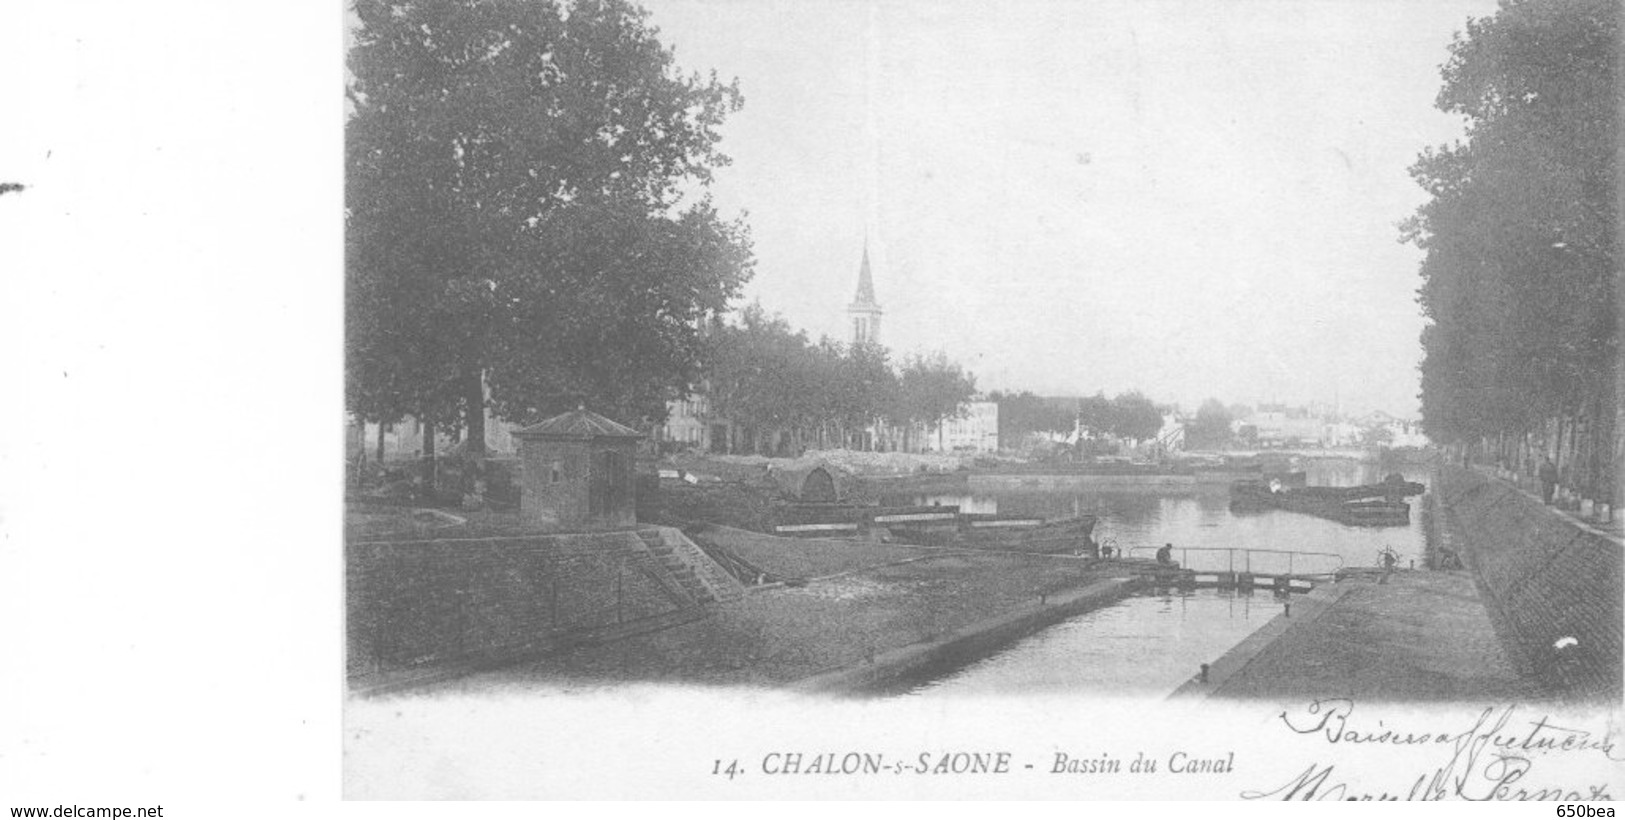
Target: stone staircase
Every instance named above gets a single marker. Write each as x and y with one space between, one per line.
690 566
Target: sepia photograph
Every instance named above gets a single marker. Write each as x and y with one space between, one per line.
808 400
916 353
912 353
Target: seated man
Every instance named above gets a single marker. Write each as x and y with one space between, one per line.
1165 555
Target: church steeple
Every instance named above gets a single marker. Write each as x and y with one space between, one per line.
866 282
865 311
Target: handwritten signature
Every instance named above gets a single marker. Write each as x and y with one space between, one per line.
1491 759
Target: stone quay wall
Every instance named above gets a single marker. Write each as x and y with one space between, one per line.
412 604
1554 588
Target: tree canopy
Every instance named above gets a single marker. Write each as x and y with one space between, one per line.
1135 416
762 375
1022 414
525 207
1127 416
1520 233
932 388
1211 427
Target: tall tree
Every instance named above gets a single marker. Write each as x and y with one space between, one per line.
1097 415
1135 417
867 386
1022 414
752 378
1211 427
932 389
525 210
1521 271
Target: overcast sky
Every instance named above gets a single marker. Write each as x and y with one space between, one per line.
1192 199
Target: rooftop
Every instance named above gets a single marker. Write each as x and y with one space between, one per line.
580 423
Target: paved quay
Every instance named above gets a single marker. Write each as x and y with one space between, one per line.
1422 636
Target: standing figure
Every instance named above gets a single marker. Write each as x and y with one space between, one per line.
1548 479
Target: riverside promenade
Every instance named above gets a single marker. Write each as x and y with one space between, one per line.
1535 615
1422 636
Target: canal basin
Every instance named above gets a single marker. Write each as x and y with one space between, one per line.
1144 645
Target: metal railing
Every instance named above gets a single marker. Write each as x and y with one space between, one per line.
1294 559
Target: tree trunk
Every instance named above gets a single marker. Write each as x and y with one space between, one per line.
474 413
381 428
1573 451
428 457
1555 448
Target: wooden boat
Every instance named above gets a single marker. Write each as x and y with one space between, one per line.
1222 474
1393 487
1375 513
1375 505
1063 536
845 520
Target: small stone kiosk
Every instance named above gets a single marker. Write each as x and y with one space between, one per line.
578 473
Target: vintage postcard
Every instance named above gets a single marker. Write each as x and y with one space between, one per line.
901 399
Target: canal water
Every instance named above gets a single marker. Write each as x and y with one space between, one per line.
1144 645
1201 517
1151 643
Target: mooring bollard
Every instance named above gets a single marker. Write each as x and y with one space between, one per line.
1202 676
1288 611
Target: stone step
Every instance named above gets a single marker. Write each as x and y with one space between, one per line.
691 568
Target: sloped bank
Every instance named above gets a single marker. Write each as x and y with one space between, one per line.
420 609
939 655
1553 589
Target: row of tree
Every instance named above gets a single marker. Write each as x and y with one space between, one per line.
527 230
1023 414
1129 416
526 219
779 390
1520 277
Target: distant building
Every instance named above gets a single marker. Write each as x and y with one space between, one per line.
404 439
1171 437
864 310
1280 426
974 430
1397 432
688 423
1342 434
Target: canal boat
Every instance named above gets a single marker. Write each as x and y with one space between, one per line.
855 520
1063 536
1225 475
1374 505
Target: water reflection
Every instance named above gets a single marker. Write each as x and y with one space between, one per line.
1203 519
